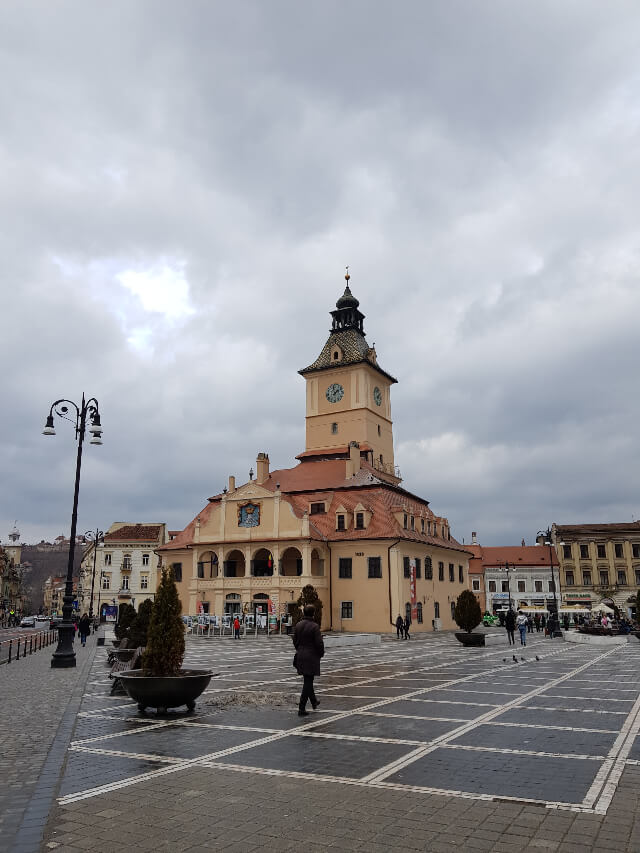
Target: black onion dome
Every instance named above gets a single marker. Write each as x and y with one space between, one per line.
347 300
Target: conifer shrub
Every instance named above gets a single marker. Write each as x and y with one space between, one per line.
126 615
139 630
165 640
467 614
308 595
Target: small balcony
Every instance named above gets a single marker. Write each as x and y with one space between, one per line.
125 567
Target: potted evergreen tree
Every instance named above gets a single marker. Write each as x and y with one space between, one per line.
162 683
468 616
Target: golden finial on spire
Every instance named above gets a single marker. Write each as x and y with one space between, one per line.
347 276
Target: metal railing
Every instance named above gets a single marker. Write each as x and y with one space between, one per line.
19 647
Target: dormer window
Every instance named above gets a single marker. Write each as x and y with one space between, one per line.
413 523
317 508
336 353
359 521
340 522
406 519
422 525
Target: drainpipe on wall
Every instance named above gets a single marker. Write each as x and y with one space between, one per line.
330 589
391 622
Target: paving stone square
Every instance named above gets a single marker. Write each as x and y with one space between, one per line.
433 745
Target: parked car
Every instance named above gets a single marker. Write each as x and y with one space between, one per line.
55 621
41 620
28 622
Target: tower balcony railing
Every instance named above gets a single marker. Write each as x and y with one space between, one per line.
387 468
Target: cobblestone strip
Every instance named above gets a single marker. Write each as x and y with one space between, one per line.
40 705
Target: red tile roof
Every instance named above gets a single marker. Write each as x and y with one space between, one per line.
632 527
516 555
314 481
135 533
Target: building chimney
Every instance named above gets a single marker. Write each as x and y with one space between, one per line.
232 483
353 463
474 537
262 467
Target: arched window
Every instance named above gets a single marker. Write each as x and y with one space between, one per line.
436 609
419 611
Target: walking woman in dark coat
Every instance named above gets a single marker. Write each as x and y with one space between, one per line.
307 640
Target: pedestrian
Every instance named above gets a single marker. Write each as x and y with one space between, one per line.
236 628
84 626
521 622
510 624
309 647
407 627
536 619
399 627
530 624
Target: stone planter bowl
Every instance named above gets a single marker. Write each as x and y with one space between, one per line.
165 692
470 639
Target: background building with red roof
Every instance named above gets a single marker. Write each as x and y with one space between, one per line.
339 519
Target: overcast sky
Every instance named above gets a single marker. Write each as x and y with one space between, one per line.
182 184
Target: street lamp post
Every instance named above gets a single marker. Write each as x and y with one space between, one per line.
99 592
554 622
96 536
64 655
507 568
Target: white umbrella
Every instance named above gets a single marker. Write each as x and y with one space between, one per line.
602 608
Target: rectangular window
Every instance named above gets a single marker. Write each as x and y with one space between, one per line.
635 550
552 586
418 567
345 567
475 585
638 576
618 550
440 571
586 578
107 559
538 586
452 572
428 568
566 552
584 552
375 567
505 586
177 571
406 566
125 582
340 522
569 579
144 581
413 523
492 586
520 586
359 521
145 559
604 578
406 519
461 574
422 525
106 582
602 552
622 577
126 562
346 609
317 509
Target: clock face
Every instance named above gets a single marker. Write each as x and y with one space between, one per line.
335 393
377 396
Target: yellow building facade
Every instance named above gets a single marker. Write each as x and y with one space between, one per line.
338 520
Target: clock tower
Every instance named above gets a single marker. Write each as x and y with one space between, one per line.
348 393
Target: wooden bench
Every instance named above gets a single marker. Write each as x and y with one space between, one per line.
114 653
123 665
